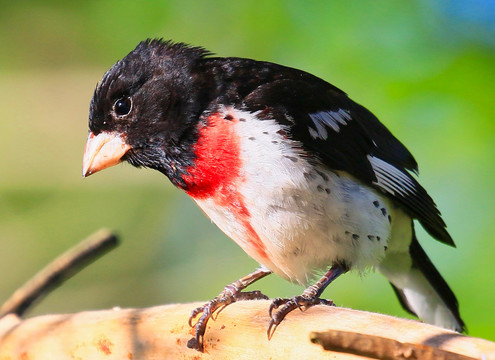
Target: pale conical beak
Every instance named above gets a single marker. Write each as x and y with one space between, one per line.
102 151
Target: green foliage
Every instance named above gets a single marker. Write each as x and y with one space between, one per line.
430 82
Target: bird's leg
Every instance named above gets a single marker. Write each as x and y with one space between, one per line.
230 294
310 297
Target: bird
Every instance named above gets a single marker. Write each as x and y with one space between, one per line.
307 182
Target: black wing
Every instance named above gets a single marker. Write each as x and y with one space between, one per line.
346 136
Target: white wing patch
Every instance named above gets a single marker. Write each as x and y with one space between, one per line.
324 119
391 179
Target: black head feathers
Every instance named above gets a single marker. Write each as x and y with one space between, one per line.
151 57
166 50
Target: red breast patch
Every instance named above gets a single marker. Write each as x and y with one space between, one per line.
216 173
218 160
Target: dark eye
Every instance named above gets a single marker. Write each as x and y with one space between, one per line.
122 106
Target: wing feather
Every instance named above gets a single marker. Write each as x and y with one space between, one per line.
345 136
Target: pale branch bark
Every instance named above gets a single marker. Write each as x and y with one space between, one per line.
59 270
239 332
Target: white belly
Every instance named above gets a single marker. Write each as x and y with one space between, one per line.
306 217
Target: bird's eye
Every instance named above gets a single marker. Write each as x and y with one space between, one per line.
122 106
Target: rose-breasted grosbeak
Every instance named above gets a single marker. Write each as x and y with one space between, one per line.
302 178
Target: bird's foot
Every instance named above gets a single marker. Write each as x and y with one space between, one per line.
301 302
230 294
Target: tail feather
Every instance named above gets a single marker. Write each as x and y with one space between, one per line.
403 300
422 262
422 291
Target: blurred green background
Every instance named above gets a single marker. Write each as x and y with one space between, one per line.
427 71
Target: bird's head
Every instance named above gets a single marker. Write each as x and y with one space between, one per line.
145 109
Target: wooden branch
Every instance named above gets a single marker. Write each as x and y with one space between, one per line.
59 270
238 332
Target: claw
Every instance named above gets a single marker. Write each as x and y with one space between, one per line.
297 302
231 293
211 309
269 332
196 343
214 316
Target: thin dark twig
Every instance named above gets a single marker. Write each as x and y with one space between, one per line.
378 347
59 270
